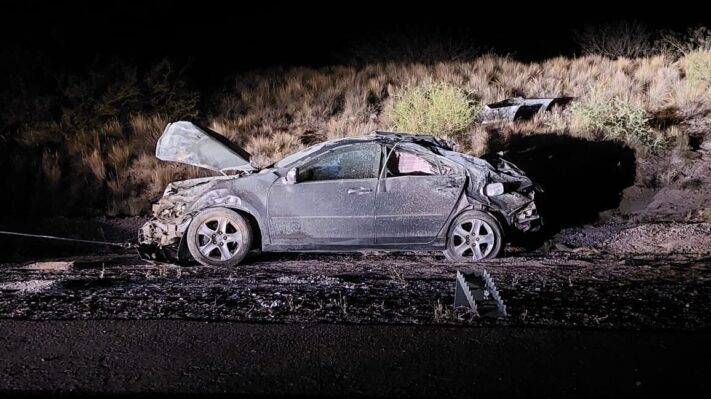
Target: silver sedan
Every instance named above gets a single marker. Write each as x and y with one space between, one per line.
383 191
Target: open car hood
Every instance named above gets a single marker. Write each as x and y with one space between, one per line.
188 143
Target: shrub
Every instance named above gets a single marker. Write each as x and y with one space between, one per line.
624 39
617 119
439 109
677 44
697 65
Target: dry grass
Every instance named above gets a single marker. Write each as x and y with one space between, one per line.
94 161
265 149
110 163
698 67
145 131
617 119
318 104
51 168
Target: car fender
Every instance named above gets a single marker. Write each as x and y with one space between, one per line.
225 198
466 204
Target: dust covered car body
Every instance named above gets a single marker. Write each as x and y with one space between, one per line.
384 191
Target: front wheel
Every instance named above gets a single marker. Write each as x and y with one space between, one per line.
219 237
474 236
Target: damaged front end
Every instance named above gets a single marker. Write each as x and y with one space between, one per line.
161 238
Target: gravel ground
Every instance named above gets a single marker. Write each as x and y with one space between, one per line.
580 287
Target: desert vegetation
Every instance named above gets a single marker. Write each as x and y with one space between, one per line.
438 107
87 144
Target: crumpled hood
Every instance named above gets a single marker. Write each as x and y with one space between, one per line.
189 143
180 197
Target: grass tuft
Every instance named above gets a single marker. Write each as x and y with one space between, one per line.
697 65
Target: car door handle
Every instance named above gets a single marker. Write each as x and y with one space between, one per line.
359 190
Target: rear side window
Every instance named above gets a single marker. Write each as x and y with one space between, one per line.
358 161
405 163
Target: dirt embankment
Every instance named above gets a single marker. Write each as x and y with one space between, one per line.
675 188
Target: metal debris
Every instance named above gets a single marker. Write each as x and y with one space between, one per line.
478 292
52 266
519 108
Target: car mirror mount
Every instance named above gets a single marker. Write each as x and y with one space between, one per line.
292 176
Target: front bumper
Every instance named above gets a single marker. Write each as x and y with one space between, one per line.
527 219
162 234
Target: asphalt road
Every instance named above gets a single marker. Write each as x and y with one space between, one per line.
192 358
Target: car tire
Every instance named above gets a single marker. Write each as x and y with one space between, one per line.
219 237
467 244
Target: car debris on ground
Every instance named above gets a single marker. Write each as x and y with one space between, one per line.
519 108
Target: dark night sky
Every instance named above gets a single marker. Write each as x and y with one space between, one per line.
236 36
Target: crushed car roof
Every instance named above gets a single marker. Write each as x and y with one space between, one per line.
423 140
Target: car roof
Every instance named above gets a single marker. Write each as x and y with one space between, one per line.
392 138
381 137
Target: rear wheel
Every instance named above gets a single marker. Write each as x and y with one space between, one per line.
474 236
219 237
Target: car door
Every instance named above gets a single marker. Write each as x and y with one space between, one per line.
416 195
332 202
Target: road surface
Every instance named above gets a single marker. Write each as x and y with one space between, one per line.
192 358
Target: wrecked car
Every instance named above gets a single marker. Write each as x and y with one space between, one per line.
384 191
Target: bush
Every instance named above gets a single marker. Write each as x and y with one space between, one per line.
619 120
677 44
624 39
697 65
439 109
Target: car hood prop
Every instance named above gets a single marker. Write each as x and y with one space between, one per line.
192 144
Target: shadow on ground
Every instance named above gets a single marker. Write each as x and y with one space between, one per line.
580 177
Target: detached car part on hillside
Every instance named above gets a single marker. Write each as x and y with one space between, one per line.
519 108
384 191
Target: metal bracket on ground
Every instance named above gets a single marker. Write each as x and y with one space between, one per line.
477 291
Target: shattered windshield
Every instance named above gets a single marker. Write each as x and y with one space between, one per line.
298 155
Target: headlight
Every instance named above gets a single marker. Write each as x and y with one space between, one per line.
494 189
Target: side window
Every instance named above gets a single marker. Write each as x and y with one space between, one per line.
446 166
358 161
404 163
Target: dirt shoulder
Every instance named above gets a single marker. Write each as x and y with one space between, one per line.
561 288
